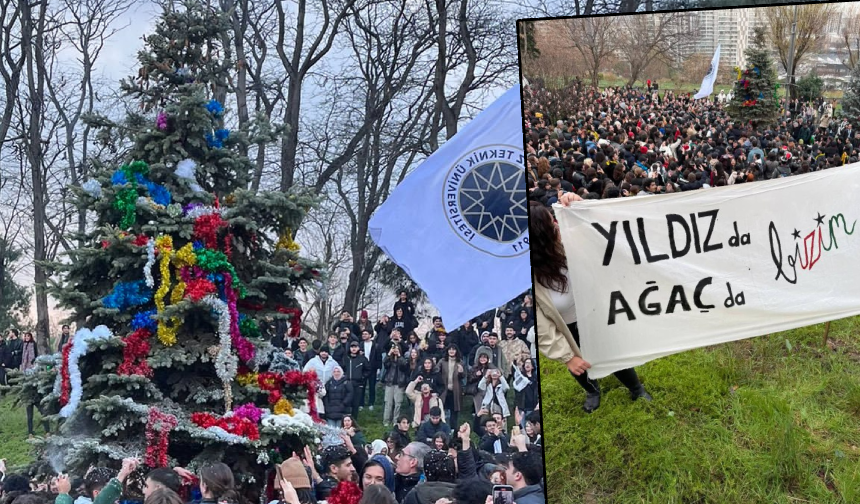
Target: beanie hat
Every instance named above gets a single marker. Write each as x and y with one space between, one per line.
325 348
364 314
439 466
294 471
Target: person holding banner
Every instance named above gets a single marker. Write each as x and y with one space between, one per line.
557 334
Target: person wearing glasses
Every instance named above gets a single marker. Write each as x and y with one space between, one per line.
408 468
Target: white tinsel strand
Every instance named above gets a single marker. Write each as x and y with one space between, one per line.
150 262
93 188
79 348
186 169
201 211
225 363
227 437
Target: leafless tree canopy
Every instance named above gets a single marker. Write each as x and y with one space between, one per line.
340 96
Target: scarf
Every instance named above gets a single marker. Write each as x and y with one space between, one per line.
452 366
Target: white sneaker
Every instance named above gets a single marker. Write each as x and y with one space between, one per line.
370 407
361 408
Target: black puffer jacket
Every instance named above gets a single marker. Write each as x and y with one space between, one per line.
338 398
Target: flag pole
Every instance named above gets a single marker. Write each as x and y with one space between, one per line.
826 333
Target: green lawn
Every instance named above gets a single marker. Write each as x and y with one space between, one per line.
774 419
13 434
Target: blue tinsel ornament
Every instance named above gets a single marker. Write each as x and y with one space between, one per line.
128 294
145 320
118 178
215 108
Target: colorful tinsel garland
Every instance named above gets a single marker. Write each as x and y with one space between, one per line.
239 426
71 386
158 437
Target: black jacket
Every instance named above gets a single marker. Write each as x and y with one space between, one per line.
430 492
14 350
395 371
375 355
357 369
404 484
338 398
408 309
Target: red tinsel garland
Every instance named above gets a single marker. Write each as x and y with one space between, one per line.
198 288
157 437
228 245
346 492
206 229
66 385
234 425
134 354
141 240
295 320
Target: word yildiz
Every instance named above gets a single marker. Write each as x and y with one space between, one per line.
684 234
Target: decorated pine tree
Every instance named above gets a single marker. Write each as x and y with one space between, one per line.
174 281
851 99
755 96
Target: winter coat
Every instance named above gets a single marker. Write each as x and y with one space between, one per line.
456 387
405 325
430 492
532 494
553 337
395 371
431 378
428 431
357 370
465 339
28 354
338 398
408 309
526 391
488 443
323 370
499 391
404 485
515 351
418 401
374 356
476 374
14 350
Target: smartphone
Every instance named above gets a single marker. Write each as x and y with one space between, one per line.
503 494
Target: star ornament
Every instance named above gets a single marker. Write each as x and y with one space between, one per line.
493 201
796 234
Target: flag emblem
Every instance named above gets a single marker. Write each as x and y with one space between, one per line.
485 200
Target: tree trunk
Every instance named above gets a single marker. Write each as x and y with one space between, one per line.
32 39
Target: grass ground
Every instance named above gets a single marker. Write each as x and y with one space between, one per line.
774 419
13 434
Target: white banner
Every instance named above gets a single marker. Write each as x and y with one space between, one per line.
658 275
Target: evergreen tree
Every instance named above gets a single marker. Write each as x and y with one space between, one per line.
182 266
14 298
851 98
755 92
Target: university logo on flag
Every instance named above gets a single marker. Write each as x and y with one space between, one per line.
458 224
485 202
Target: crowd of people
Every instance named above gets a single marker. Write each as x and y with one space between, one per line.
461 415
626 141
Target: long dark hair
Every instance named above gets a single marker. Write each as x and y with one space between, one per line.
219 481
548 258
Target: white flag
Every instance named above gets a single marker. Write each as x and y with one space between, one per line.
711 77
458 225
